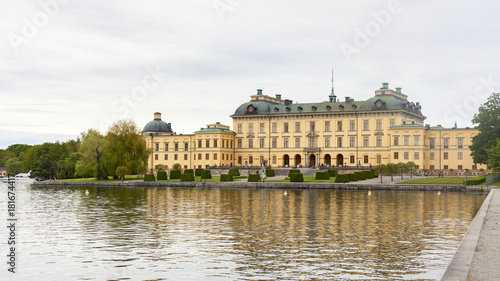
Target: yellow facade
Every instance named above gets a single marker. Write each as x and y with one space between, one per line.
386 128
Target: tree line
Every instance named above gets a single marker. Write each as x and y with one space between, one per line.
120 151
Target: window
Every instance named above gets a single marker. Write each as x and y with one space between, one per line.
431 156
379 159
275 142
365 159
417 156
406 141
261 126
215 143
285 127
460 143
312 126
417 140
352 125
185 157
157 146
175 156
352 142
446 167
379 141
366 126
339 142
274 159
396 141
352 160
199 156
396 155
379 125
339 125
460 167
261 143
250 128
431 167
460 156
312 142
166 146
297 126
240 160
250 160
166 156
392 122
215 156
445 155
240 128
406 155
186 146
327 126
240 143
207 143
365 141
250 143
156 156
285 142
274 127
297 142
176 146
199 143
207 156
327 142
222 142
446 143
432 143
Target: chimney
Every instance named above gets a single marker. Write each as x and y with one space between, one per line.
157 116
347 99
278 96
385 86
398 89
259 92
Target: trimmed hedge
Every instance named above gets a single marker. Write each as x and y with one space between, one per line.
197 172
149 177
187 177
188 171
368 174
253 178
360 176
322 176
333 173
234 172
161 175
175 174
270 173
226 177
476 181
206 174
293 171
296 177
342 178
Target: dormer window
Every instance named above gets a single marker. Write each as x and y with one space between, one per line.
354 106
341 106
276 109
328 107
314 108
287 108
299 108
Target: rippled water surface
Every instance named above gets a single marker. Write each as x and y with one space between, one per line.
234 234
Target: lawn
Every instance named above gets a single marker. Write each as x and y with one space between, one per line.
214 178
307 179
438 180
127 177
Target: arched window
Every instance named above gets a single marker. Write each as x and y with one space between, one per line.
365 159
239 160
250 160
379 159
352 159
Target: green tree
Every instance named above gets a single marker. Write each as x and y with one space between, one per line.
18 148
176 167
159 167
494 157
121 171
5 155
411 166
93 149
142 170
14 166
402 168
392 169
488 120
42 159
381 170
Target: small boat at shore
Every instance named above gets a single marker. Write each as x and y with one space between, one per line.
20 178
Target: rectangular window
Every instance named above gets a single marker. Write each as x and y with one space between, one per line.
215 143
445 155
199 143
431 156
365 141
339 125
417 155
312 126
176 146
327 126
157 146
207 156
166 146
352 125
460 143
185 157
327 142
285 127
352 142
379 141
392 122
215 156
261 143
446 167
207 143
366 126
175 156
275 142
460 167
339 142
274 159
250 128
285 142
166 156
250 143
297 126
297 142
224 144
275 127
396 141
431 167
396 155
446 143
156 156
406 155
261 126
240 128
406 140
240 143
199 156
417 140
432 143
379 125
460 156
186 146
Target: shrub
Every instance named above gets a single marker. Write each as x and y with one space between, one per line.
206 174
161 176
175 174
322 176
296 177
226 177
293 171
253 178
333 173
234 172
476 181
188 171
149 177
177 167
270 173
351 177
360 176
197 172
342 178
187 177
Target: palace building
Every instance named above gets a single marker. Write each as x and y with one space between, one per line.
386 128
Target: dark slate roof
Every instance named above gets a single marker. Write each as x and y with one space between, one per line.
157 126
389 102
214 130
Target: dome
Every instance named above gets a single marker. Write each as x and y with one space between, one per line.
253 107
157 125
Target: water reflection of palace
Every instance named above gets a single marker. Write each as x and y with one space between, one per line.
338 232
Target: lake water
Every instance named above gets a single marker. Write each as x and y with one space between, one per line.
233 234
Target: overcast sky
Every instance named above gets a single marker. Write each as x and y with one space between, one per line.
67 66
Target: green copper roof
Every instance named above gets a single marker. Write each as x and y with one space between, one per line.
214 130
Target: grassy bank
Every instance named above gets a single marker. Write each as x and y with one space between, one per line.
438 180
